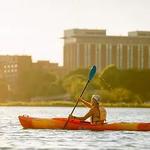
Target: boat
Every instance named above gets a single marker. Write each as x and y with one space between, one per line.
28 122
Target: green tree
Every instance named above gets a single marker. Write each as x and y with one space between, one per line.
135 81
35 83
110 77
75 81
74 84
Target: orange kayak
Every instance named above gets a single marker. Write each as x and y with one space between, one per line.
75 124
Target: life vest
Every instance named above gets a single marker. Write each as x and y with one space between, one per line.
100 116
103 114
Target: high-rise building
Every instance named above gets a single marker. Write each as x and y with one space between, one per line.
84 47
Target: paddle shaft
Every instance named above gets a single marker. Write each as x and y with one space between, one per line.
77 103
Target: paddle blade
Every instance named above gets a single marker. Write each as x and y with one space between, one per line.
92 72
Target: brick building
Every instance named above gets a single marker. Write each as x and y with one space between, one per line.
50 67
12 66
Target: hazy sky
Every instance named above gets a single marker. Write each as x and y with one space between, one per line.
34 27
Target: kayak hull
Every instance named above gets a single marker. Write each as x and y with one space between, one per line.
75 124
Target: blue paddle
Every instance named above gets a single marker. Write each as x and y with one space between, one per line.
91 75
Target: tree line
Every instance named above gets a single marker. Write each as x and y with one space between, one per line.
112 84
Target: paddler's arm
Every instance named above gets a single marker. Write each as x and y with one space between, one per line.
85 102
89 114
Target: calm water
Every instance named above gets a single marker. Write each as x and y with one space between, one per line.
12 136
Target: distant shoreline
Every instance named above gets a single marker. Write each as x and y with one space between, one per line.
60 103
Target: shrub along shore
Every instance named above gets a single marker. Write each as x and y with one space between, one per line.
60 103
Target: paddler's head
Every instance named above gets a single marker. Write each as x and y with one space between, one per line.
95 99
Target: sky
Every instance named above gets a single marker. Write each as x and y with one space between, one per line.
35 27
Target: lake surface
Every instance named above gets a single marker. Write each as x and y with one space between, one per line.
12 136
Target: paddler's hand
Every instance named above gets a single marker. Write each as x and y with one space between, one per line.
80 99
71 117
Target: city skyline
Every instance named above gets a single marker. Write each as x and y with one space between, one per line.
35 27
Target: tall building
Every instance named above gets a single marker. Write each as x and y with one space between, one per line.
84 47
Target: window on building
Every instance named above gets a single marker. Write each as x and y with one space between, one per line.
16 65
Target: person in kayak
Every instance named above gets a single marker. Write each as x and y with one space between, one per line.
97 112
